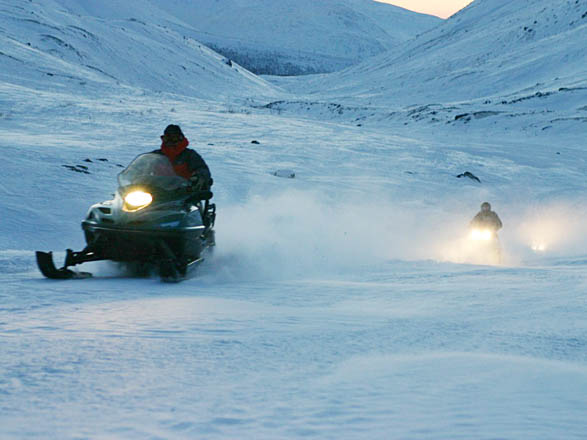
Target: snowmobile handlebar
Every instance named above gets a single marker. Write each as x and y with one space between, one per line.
202 194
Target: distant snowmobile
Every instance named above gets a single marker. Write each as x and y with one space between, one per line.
484 242
157 220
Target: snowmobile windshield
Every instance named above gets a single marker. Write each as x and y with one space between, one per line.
151 169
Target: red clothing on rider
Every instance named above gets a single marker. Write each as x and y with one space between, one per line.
185 161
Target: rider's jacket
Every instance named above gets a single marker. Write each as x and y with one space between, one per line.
486 219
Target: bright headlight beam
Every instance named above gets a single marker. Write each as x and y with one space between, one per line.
539 247
481 234
137 199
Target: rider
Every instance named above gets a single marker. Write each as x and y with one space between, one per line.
486 218
186 162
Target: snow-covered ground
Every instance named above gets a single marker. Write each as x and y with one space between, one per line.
338 304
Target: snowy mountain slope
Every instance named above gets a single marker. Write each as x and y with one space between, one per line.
490 46
284 37
69 49
493 59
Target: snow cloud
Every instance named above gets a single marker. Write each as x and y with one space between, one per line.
303 233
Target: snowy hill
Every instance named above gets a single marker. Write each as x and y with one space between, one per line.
68 50
490 46
279 37
492 59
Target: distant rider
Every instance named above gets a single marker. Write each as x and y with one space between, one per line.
186 162
486 219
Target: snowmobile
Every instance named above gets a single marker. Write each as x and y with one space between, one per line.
157 221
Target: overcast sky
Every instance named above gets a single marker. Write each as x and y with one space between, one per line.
441 8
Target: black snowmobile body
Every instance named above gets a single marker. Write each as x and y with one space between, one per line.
157 220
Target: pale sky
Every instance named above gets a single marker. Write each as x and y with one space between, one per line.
440 8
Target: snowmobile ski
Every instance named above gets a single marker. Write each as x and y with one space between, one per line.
48 269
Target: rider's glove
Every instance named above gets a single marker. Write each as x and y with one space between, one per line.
200 182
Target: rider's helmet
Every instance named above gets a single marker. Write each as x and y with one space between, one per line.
172 134
485 207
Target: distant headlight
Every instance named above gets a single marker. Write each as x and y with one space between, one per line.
539 247
136 200
481 234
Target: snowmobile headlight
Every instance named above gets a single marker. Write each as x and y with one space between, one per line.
539 247
481 234
136 200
